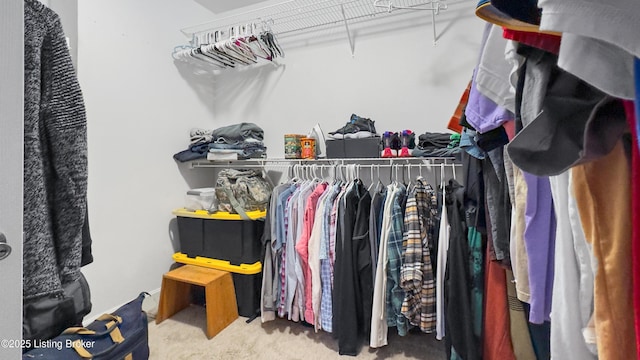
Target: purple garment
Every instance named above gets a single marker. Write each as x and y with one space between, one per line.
481 112
484 114
539 239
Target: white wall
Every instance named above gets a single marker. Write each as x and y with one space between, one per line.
396 77
141 105
139 112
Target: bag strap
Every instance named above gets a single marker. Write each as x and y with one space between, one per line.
78 331
83 353
116 337
111 326
236 204
110 317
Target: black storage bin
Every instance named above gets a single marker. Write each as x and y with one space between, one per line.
224 236
220 236
237 241
191 231
247 289
247 293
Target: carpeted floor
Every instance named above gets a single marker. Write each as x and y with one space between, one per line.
183 337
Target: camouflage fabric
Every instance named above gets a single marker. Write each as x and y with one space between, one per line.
247 186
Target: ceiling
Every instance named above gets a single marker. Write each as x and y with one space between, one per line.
217 6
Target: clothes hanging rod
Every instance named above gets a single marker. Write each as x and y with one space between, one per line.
393 159
346 161
375 166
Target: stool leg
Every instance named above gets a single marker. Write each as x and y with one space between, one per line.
222 309
174 296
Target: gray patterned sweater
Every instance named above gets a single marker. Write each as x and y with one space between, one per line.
55 157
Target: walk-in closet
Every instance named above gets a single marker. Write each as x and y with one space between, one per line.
299 179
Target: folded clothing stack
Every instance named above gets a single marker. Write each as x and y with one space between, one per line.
437 145
238 141
357 128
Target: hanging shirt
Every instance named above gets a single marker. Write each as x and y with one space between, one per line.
496 339
416 273
443 248
315 241
518 324
634 125
476 264
282 224
379 328
606 219
326 309
302 248
459 315
327 298
344 228
267 300
352 271
361 263
498 204
395 294
520 262
377 202
300 302
571 303
290 255
271 275
539 237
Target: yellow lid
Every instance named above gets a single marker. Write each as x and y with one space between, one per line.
218 215
245 269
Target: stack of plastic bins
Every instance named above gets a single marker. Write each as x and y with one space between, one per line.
226 242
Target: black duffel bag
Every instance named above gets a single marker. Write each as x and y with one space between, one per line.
46 317
121 335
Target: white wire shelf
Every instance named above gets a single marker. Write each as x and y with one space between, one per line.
295 15
364 162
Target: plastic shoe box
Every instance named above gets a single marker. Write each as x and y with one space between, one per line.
201 199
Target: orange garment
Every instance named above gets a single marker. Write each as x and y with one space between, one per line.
603 195
454 123
496 343
635 214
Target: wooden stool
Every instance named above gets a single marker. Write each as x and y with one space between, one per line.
220 295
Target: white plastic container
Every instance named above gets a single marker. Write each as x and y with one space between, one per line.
201 199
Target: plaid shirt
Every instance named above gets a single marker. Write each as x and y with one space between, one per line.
279 242
283 215
416 275
326 265
326 306
395 294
